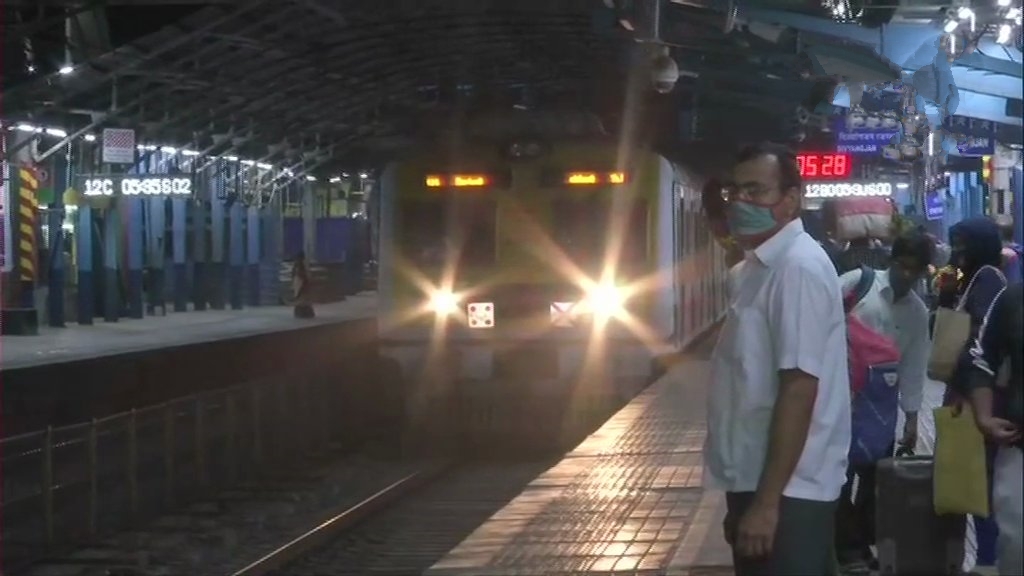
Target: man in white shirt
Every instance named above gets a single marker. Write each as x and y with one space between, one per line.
779 405
891 308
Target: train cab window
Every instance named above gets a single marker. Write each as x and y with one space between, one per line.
584 229
439 230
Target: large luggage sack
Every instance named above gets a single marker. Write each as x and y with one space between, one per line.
912 540
863 217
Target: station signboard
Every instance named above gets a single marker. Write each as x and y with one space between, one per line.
130 185
934 204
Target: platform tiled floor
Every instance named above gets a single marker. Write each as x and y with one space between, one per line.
175 329
627 500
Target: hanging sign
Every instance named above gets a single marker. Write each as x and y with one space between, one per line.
118 146
934 204
104 185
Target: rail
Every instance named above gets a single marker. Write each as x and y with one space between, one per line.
66 487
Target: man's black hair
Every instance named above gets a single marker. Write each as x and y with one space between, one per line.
916 245
789 168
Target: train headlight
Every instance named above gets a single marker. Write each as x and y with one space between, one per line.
444 303
606 300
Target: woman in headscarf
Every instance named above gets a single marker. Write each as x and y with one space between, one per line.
976 253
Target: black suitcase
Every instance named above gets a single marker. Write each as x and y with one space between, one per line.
912 540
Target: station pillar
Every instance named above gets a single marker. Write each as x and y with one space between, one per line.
200 277
252 255
236 254
83 248
215 270
179 228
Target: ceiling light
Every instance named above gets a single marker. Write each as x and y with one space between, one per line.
65 70
964 13
56 132
311 178
90 137
26 128
1004 34
1004 3
950 26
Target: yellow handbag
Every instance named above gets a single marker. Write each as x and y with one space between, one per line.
960 478
950 335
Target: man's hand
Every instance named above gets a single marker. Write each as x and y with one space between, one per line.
909 439
755 534
999 430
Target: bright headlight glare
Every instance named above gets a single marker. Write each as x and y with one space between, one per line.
444 302
605 299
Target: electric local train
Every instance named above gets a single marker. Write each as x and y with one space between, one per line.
521 253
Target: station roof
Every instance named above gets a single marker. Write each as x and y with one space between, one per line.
343 84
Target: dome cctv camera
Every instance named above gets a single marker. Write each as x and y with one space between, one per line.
664 73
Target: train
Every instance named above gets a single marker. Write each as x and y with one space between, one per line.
541 250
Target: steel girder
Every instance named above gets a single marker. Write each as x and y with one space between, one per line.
914 45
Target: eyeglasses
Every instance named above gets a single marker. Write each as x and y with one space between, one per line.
752 192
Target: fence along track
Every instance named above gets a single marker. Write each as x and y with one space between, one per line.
66 487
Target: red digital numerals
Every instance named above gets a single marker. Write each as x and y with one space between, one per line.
824 165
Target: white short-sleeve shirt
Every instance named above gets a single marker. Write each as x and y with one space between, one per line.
786 312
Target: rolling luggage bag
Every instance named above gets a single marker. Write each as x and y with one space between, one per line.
912 540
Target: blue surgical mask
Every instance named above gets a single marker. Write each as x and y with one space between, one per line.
747 219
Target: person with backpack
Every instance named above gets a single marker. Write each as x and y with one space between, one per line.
887 324
977 255
1000 417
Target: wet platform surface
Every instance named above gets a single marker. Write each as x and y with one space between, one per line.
628 500
77 342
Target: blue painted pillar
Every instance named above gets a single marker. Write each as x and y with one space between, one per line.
156 228
200 259
55 294
83 249
216 267
179 218
136 245
111 279
252 254
236 254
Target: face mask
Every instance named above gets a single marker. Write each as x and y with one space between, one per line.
749 221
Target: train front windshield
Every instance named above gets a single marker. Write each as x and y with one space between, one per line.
435 231
590 229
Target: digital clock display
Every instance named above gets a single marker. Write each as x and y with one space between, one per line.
824 166
856 189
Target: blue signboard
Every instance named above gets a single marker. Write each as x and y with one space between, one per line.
973 137
863 136
934 204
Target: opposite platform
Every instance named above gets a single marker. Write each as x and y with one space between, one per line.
628 500
77 342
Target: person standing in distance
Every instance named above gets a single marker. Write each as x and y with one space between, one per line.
779 404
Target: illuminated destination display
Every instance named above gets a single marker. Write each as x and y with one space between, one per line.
824 166
132 185
849 189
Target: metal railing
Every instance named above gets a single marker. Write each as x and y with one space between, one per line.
65 487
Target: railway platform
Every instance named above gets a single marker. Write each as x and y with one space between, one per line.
628 500
75 343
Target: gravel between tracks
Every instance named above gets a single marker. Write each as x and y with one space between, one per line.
224 534
412 535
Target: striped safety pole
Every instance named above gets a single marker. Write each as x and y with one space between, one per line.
28 208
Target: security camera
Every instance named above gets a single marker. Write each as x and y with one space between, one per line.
664 73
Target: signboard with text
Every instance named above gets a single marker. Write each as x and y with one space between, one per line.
973 137
848 189
118 146
934 204
867 138
106 185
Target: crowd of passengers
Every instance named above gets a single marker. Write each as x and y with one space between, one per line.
782 443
